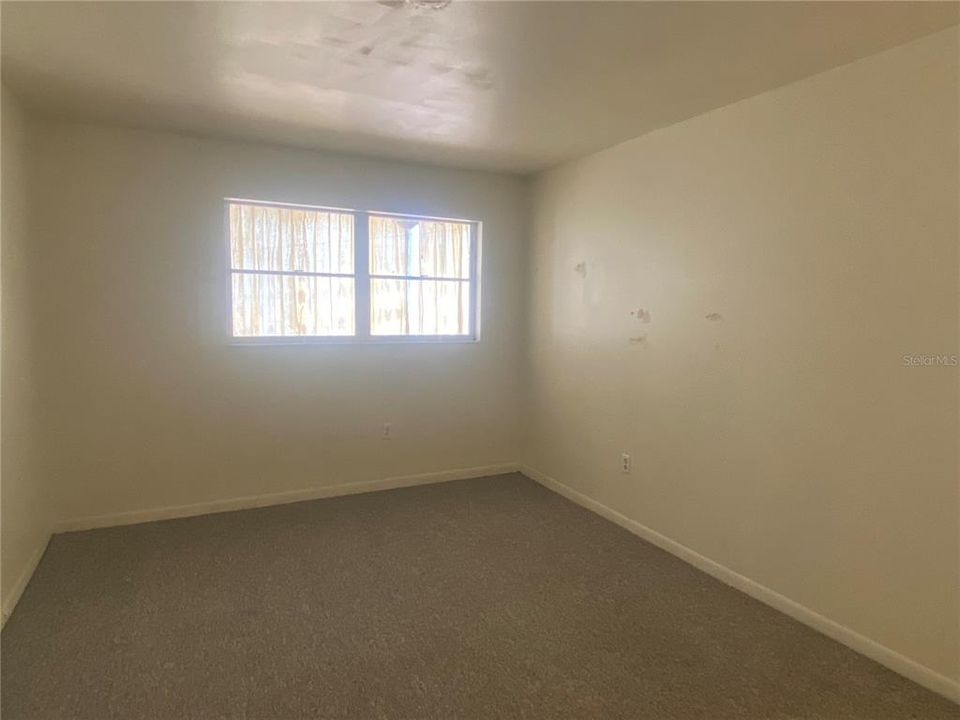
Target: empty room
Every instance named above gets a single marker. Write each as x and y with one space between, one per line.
435 359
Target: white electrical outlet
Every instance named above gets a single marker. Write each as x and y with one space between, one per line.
625 463
387 430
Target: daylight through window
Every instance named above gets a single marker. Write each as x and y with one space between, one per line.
299 273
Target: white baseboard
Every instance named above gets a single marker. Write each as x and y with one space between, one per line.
91 522
901 664
13 597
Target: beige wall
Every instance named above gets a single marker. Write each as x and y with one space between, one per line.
25 502
149 406
787 440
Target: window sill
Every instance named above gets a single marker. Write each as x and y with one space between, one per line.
353 340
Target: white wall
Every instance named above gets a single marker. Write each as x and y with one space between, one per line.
787 440
25 502
149 406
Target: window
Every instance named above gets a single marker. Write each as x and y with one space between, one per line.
307 273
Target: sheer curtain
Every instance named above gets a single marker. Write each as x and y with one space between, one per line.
291 271
419 277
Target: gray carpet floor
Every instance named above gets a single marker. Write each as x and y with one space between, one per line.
490 598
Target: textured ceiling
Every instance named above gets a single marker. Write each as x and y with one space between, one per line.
514 86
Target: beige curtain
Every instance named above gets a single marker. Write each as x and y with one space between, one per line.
270 246
420 277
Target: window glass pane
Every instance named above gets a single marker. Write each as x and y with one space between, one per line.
292 306
404 246
388 246
419 307
263 237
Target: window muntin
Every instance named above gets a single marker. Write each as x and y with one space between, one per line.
308 273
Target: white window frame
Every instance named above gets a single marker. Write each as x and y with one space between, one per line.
362 281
